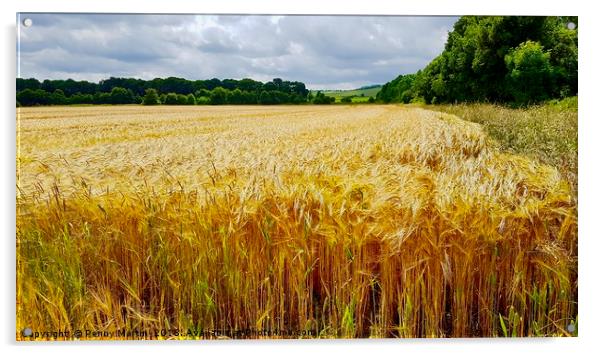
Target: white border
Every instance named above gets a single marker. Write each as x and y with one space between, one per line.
589 167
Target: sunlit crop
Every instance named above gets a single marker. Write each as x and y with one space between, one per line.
345 221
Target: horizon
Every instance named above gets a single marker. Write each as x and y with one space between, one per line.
370 85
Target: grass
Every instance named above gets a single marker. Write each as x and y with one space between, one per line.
340 221
546 132
356 93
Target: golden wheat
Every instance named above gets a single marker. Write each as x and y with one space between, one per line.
343 221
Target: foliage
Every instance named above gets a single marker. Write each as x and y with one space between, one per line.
203 100
529 77
218 96
320 98
398 90
76 92
120 95
190 99
505 59
171 99
151 97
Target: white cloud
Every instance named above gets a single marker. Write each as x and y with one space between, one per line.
322 51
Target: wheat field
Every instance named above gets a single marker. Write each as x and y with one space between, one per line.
323 221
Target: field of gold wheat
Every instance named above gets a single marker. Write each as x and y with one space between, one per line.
325 221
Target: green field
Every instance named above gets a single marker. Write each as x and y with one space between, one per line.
360 94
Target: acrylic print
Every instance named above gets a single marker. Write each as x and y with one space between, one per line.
242 177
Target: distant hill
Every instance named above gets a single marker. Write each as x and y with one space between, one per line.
360 94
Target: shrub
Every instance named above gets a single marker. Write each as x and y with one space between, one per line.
171 99
119 95
321 98
218 96
150 97
202 100
529 77
182 100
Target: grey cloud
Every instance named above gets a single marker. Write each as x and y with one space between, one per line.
322 51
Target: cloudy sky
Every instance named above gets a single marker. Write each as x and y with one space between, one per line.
336 52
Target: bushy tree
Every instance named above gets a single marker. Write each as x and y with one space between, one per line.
265 97
31 84
249 97
190 99
236 97
218 96
202 100
151 97
171 99
120 95
202 93
102 98
393 90
480 54
80 98
561 43
58 98
182 99
529 77
29 97
280 97
321 98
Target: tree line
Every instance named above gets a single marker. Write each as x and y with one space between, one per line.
169 91
506 59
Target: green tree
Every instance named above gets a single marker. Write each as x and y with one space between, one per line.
202 93
236 97
80 98
249 97
120 95
218 96
182 99
202 100
171 99
393 90
58 97
150 97
190 99
321 98
111 91
266 97
102 98
529 77
29 97
480 54
561 43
